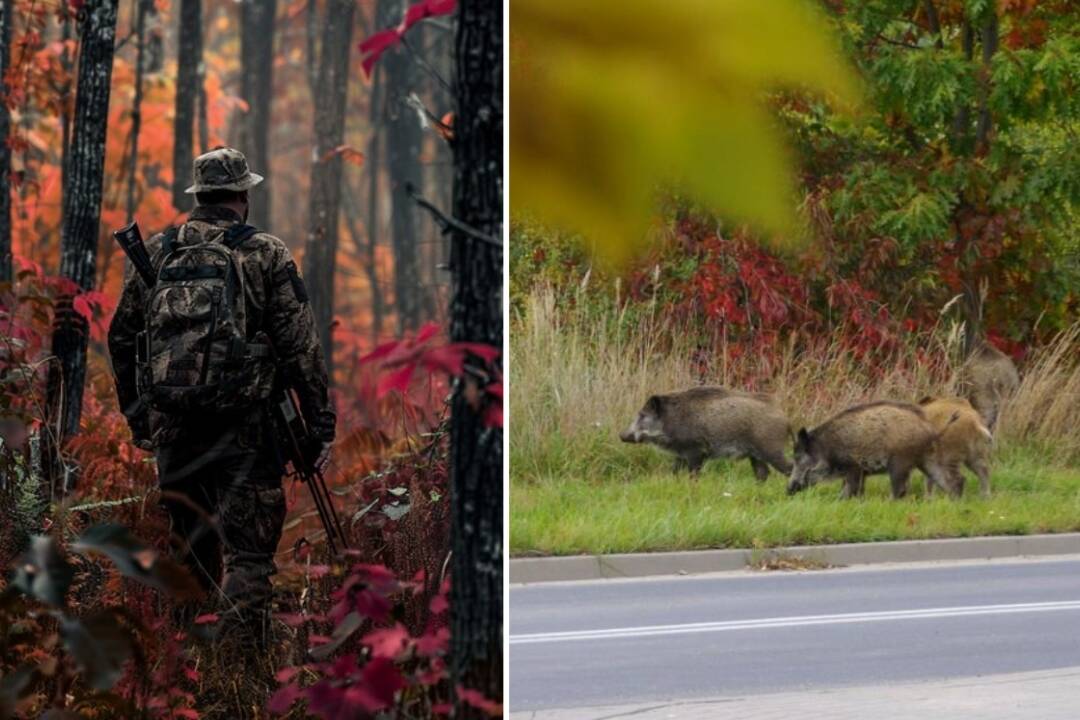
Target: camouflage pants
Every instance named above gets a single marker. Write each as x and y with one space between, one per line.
226 508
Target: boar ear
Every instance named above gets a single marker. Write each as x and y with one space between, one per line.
655 405
802 440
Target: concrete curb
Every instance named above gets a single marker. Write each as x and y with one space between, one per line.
596 567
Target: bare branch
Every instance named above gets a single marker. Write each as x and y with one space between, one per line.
446 223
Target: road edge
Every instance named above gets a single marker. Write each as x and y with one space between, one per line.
599 567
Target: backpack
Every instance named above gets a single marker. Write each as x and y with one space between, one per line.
195 354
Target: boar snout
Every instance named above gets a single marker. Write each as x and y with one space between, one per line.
627 436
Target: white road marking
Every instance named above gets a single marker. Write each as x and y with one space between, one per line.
792 621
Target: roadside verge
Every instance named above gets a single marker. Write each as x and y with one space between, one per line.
596 567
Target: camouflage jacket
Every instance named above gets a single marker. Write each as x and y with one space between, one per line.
276 304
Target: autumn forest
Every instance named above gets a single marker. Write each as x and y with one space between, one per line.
375 125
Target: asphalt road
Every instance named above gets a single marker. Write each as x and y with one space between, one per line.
612 642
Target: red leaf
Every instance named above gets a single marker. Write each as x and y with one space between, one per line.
427 332
380 352
382 679
375 45
487 353
206 619
372 605
284 675
397 380
388 642
426 8
476 699
348 153
93 306
282 700
433 642
439 604
449 359
317 571
298 619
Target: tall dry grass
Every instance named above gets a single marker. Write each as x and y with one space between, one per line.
1045 411
580 372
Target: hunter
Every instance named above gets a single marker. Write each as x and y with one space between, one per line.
195 362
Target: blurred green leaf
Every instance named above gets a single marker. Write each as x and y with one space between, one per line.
611 103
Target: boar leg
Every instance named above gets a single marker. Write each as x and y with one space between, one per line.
761 469
899 473
936 474
980 468
689 461
778 461
853 484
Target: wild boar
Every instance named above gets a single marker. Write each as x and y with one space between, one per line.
713 422
964 441
877 437
988 379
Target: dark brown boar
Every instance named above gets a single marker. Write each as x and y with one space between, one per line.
988 379
714 422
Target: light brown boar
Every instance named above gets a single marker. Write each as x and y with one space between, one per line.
964 441
988 379
713 422
877 437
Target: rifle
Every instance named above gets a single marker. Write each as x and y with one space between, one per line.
292 432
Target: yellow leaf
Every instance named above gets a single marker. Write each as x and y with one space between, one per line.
610 104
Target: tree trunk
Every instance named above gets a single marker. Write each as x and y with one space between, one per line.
188 59
962 120
332 88
476 316
82 214
989 47
972 300
383 18
403 139
256 87
141 7
366 250
6 20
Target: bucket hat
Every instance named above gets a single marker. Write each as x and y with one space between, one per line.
222 168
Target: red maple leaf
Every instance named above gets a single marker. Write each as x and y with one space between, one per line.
373 47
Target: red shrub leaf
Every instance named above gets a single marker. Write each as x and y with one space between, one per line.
397 380
476 699
391 642
283 698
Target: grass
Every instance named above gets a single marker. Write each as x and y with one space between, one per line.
655 510
579 376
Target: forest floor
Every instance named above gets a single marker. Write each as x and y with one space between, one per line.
635 503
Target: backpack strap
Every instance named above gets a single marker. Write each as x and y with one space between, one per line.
168 240
237 234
